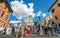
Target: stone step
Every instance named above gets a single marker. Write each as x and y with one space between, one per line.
34 36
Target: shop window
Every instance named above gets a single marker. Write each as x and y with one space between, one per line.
53 10
56 17
58 4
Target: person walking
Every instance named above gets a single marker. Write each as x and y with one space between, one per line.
17 30
59 31
22 31
38 29
8 32
4 30
55 28
28 31
50 28
45 29
13 29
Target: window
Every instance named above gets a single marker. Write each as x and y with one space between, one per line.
58 4
6 17
56 17
4 25
52 22
59 25
52 10
2 14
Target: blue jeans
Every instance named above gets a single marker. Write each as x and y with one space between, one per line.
58 30
50 29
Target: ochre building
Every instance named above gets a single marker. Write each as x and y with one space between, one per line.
55 10
5 11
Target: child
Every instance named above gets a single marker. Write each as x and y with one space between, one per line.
28 31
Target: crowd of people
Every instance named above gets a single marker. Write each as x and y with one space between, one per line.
47 29
26 30
19 31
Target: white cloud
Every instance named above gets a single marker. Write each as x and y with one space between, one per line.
44 14
33 14
21 10
30 9
15 21
39 13
21 1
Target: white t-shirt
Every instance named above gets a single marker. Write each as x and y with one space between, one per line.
8 32
50 25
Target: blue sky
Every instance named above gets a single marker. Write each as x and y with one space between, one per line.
39 5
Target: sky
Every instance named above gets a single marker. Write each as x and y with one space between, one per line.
35 8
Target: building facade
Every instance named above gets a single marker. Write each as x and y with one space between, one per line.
55 10
5 11
29 21
48 19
